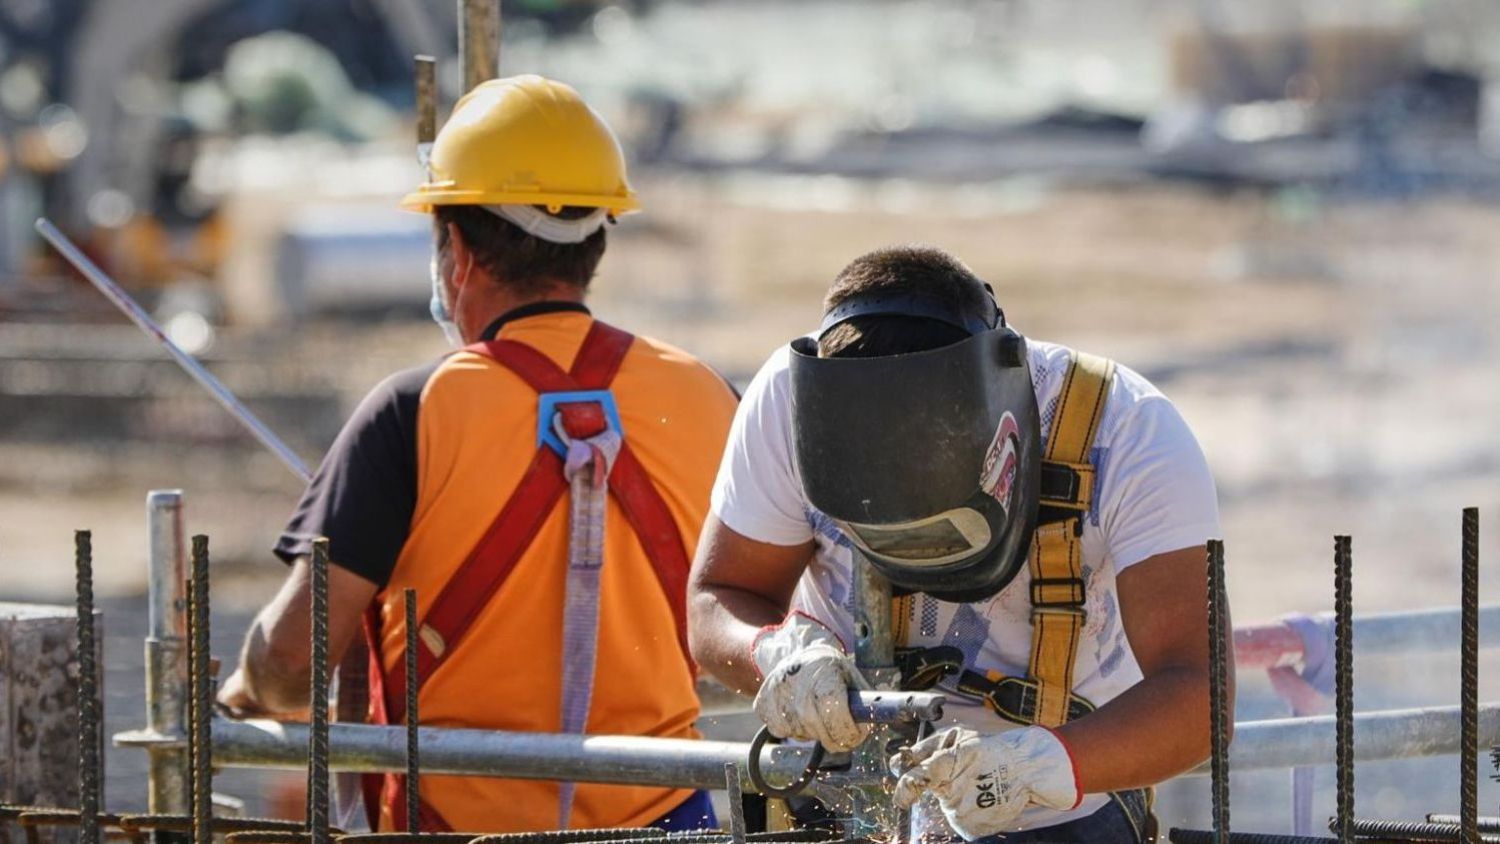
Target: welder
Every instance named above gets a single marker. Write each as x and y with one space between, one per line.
481 481
1042 516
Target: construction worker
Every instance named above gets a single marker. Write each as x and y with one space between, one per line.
1042 516
479 481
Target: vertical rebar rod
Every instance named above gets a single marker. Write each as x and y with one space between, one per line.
426 73
1468 754
168 688
1218 692
201 710
479 40
90 766
1343 695
413 682
736 794
317 733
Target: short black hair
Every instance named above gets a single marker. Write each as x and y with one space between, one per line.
923 270
522 261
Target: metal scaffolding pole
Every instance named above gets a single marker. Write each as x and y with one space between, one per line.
686 763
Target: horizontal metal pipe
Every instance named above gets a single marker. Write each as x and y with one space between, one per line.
1388 734
686 763
1384 634
896 707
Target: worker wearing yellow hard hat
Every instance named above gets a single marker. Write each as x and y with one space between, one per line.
480 482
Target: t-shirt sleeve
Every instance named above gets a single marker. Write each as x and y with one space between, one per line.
1159 494
363 495
756 493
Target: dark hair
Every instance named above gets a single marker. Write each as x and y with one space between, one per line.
924 270
521 261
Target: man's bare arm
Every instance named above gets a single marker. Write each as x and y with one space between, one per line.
737 587
276 661
1159 727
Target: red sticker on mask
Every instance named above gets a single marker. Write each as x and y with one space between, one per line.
998 474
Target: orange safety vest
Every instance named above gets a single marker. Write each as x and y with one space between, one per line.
472 589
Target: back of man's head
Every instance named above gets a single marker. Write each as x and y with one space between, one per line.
902 270
526 264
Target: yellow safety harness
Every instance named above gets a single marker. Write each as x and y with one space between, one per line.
1045 696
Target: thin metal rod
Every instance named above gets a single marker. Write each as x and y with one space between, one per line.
426 78
1415 831
1343 656
736 796
317 733
201 714
1219 716
1485 824
90 766
1407 632
1204 836
128 306
413 759
479 40
681 763
1468 755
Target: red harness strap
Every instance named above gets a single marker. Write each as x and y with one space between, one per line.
496 554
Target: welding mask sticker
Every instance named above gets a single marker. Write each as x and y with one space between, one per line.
997 475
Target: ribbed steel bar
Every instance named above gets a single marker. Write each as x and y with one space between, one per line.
736 797
479 40
1343 687
1414 831
201 714
1207 836
1468 755
426 69
1220 718
90 766
317 733
413 759
1485 824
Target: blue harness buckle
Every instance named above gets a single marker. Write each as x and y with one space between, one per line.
547 410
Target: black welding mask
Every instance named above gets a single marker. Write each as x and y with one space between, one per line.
930 461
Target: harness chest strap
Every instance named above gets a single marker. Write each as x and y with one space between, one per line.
1056 560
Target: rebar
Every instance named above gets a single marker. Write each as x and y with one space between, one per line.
89 733
1413 831
1343 656
413 766
1219 715
1485 824
201 710
1207 836
736 797
1468 754
426 81
479 40
317 733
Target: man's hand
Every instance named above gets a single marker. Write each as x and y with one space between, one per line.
808 675
237 699
983 783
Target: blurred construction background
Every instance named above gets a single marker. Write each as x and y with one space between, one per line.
1286 213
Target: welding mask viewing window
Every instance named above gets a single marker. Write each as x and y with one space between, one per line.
929 461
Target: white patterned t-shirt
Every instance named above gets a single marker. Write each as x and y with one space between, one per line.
1153 494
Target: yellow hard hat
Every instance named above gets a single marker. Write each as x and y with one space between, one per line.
525 140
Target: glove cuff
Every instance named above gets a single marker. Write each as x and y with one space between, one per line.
797 632
1056 784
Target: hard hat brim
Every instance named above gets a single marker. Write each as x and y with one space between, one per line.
423 201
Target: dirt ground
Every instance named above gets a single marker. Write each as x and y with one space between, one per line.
1337 360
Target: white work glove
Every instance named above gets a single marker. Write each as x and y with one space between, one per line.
808 675
984 782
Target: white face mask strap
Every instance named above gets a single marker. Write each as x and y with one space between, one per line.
547 227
